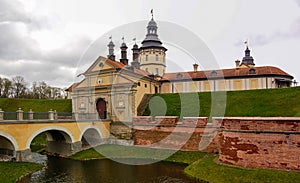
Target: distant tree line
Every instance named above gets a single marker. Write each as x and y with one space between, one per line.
17 88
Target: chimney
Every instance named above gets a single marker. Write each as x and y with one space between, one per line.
124 59
195 67
237 63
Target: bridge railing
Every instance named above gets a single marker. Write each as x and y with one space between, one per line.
20 115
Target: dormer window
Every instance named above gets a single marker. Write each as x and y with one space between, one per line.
252 71
179 76
213 74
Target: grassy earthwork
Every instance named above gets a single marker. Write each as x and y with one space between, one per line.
37 105
264 103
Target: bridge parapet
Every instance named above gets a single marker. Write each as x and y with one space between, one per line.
51 115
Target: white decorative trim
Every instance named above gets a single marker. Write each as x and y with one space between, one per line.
68 138
11 139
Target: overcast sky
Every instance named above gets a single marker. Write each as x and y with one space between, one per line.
45 40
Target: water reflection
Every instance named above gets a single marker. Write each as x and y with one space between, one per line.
62 170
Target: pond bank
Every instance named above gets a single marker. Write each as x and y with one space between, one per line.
199 165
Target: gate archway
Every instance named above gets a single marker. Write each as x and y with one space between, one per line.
101 108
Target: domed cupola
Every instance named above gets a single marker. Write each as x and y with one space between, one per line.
152 52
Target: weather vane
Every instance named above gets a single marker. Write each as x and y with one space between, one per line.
152 12
246 42
110 37
123 39
134 39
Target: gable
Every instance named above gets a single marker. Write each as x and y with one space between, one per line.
101 64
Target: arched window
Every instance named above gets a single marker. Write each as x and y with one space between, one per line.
146 57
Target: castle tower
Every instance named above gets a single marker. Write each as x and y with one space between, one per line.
152 55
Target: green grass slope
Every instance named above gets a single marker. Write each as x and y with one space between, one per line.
265 103
37 105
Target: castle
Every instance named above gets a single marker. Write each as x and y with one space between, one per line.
114 89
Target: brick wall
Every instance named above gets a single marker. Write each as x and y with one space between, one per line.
260 142
192 133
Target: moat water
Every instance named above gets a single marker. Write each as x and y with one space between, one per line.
61 170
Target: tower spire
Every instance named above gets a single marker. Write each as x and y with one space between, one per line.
247 59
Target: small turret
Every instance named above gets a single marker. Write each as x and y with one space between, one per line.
135 56
124 59
111 46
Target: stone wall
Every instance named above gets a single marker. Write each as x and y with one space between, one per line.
260 142
192 133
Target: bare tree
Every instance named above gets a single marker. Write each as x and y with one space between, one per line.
5 87
18 86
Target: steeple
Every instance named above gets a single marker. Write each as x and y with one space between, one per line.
123 47
152 39
111 46
247 59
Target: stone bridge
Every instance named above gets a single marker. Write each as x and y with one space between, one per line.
64 137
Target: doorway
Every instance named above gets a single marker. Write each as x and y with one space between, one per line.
101 108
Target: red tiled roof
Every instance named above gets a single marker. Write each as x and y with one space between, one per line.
72 87
118 65
226 73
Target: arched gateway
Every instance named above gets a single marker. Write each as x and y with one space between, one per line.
101 108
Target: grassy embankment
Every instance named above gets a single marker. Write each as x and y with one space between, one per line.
10 172
265 103
42 105
199 164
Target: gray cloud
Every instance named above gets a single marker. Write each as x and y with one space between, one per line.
13 11
20 53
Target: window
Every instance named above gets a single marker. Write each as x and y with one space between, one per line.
101 65
99 81
146 57
139 83
156 57
156 71
145 85
146 69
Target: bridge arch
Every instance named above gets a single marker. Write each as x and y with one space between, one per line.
11 139
64 132
90 136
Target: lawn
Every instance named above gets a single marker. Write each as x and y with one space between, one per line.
10 172
207 169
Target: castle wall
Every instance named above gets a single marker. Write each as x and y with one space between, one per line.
261 142
168 132
253 142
